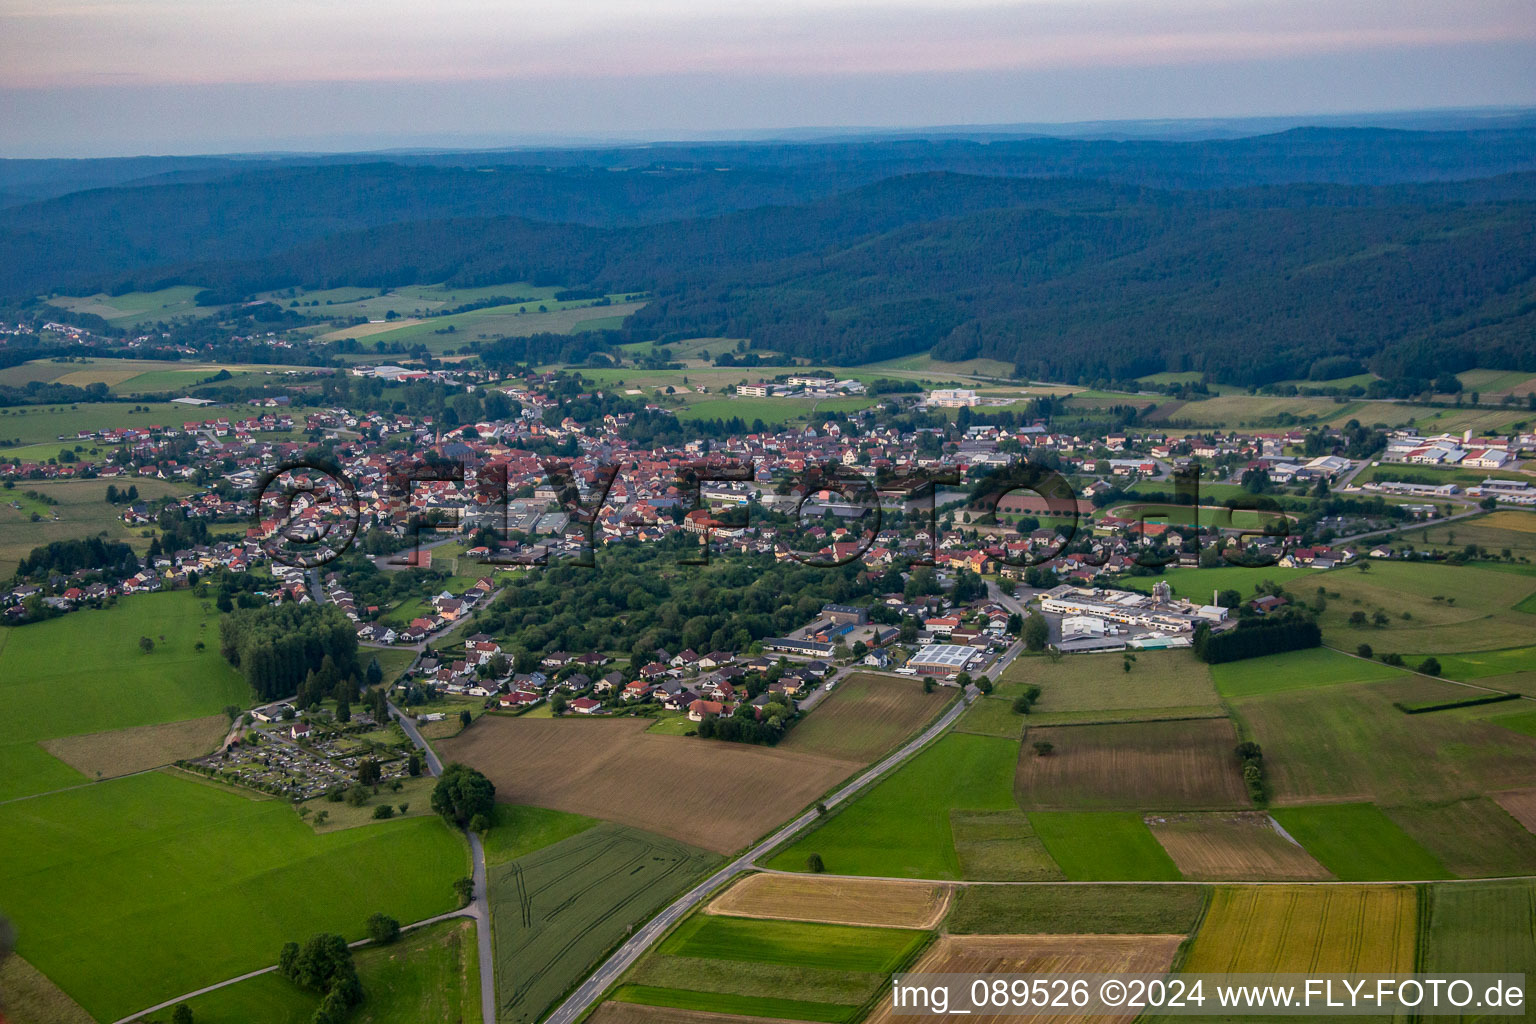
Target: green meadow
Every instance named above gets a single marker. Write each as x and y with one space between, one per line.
901 827
1358 843
84 673
129 892
431 974
1096 846
517 831
1296 670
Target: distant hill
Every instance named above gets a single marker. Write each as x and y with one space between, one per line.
1146 258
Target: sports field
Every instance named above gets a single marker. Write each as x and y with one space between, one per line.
1348 742
1041 955
430 974
866 716
1094 846
706 793
901 827
172 860
1245 846
868 902
1358 843
55 682
560 910
1179 765
1297 928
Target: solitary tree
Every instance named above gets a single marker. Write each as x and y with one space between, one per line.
462 793
182 1014
464 888
1043 748
146 644
814 864
383 929
1036 633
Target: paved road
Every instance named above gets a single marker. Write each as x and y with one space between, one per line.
599 982
480 908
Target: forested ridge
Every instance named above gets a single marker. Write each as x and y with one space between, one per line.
855 252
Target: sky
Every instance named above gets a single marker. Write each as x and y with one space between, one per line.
117 77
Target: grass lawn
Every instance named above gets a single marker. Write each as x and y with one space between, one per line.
1347 742
1103 846
84 673
1358 843
1076 909
173 861
1296 670
431 974
901 827
517 831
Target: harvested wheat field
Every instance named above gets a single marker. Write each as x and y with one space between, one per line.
1233 846
1185 765
124 751
635 1013
1521 805
860 901
1307 928
1045 955
718 796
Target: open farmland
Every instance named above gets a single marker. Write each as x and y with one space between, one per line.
558 911
487 324
1102 846
1349 743
1199 584
1507 528
28 997
124 751
992 716
518 831
85 868
1071 909
1000 846
1227 411
851 901
1226 846
1521 805
866 716
81 511
1473 837
1044 955
637 1013
1296 670
1357 842
706 793
430 974
901 827
133 308
54 684
790 943
1095 687
1449 608
1485 926
45 424
1165 765
1299 928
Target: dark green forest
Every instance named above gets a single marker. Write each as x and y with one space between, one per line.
1250 260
